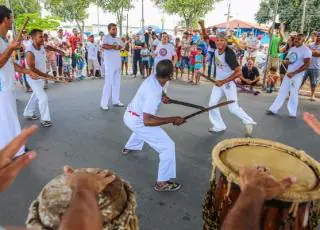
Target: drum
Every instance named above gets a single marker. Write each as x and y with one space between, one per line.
297 209
117 204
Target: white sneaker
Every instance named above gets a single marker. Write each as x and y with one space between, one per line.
214 130
118 105
104 108
249 130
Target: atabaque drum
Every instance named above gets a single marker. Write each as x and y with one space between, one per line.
117 204
297 209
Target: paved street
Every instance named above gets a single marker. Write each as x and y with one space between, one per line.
85 136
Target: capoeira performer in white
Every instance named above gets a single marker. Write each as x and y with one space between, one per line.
36 62
140 117
299 60
112 61
9 122
227 70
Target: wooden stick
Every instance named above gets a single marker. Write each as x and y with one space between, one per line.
52 79
207 109
19 37
172 101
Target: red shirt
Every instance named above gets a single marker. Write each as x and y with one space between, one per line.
74 40
193 57
178 51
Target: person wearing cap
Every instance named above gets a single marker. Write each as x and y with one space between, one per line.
227 70
112 61
58 43
93 64
298 60
313 73
142 119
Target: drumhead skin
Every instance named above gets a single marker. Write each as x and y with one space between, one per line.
283 161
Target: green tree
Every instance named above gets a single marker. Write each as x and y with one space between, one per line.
116 7
188 10
290 13
36 22
69 10
23 6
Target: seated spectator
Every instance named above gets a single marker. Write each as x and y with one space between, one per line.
273 77
250 75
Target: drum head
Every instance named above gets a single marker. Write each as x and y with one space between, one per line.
282 160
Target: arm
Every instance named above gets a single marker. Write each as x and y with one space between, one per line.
237 43
110 47
236 73
304 67
204 31
151 120
20 69
6 55
315 53
32 66
51 48
312 121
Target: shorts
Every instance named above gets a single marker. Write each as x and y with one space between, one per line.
93 64
313 75
191 67
185 62
74 61
59 61
66 68
151 62
80 64
178 64
51 65
145 64
273 62
124 59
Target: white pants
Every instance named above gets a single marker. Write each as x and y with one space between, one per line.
9 122
230 91
111 84
158 139
40 97
102 67
292 86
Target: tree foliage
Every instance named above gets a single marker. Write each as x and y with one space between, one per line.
23 6
116 7
36 22
69 10
290 13
188 10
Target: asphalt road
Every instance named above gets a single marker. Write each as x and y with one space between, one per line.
85 136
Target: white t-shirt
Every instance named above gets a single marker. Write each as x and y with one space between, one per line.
7 72
92 49
164 52
296 57
112 57
39 56
148 97
223 70
156 42
315 60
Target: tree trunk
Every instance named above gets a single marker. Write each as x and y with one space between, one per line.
120 20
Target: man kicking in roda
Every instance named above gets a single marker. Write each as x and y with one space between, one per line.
141 118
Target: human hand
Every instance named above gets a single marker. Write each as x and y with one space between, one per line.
94 182
220 83
10 167
33 75
178 121
14 45
290 75
260 178
312 121
165 99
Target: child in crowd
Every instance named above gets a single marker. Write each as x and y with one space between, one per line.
80 57
145 54
66 61
178 52
273 77
124 53
193 54
198 64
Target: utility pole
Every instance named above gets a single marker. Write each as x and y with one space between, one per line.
142 16
228 15
14 29
98 18
127 28
303 15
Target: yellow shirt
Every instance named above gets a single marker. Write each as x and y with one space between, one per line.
124 53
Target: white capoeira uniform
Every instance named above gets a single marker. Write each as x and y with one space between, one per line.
112 63
296 58
223 71
147 100
39 96
9 122
102 67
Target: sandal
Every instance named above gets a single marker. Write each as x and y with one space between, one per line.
168 186
125 151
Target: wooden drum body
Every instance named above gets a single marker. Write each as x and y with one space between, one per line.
297 209
117 204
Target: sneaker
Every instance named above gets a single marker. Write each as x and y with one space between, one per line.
214 130
104 108
46 123
249 130
125 151
292 117
118 105
33 117
167 186
269 112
